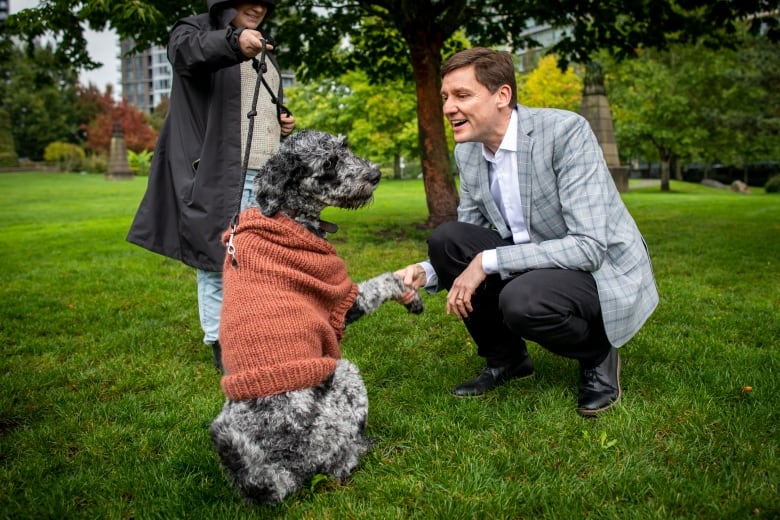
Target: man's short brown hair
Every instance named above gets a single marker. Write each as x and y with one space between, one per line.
493 69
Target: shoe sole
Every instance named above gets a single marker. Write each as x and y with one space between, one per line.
516 378
593 413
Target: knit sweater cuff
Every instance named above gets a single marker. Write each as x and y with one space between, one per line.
276 379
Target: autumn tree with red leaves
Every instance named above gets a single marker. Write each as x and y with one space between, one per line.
138 134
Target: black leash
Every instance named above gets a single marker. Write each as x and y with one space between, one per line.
261 67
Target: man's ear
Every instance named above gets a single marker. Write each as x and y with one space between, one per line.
504 96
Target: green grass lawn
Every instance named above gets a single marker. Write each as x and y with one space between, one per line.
107 393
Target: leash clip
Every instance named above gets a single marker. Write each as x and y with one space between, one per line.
231 248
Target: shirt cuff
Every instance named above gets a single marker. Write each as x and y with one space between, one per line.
431 278
490 261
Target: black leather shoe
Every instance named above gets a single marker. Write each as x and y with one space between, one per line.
491 377
217 349
600 386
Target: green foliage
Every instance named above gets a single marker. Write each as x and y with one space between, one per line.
7 150
107 392
39 96
548 86
96 163
68 157
140 162
313 29
378 119
773 184
699 105
603 443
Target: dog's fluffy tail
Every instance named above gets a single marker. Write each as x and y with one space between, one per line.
272 446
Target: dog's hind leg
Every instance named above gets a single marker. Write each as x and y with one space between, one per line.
336 440
271 446
377 290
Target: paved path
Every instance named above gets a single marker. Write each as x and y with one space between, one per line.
641 183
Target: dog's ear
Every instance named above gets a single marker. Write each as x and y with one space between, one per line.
280 177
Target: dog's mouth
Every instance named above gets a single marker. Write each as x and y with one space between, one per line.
357 202
358 198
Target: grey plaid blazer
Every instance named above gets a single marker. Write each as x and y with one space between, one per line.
574 214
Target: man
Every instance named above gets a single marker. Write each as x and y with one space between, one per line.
544 248
195 184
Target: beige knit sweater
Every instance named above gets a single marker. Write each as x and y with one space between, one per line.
283 307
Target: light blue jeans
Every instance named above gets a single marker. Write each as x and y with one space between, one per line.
210 282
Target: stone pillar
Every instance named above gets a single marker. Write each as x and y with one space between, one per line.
595 108
118 168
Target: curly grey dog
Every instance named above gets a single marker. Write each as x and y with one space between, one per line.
294 408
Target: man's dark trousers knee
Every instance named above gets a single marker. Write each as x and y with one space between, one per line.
557 308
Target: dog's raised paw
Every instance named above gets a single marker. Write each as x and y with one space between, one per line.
416 306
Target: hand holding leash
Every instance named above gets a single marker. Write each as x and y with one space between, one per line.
252 43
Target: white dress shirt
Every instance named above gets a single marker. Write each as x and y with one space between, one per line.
502 172
504 186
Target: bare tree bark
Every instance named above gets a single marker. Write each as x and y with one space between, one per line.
440 191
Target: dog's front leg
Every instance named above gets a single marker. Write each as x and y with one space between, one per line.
375 291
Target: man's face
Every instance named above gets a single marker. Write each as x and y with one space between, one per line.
250 14
475 114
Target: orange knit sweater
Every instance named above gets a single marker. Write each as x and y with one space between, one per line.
283 307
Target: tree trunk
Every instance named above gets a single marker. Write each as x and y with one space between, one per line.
396 166
678 169
665 160
440 192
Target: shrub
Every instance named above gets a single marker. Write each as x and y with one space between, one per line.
69 157
140 162
96 163
773 184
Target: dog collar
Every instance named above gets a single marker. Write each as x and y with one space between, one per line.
328 227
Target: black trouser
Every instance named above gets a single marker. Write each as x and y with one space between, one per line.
557 308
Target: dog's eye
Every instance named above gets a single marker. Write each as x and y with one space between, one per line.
329 167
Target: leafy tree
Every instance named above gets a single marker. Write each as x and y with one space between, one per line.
548 86
90 102
379 120
691 104
386 37
138 135
7 150
39 96
652 115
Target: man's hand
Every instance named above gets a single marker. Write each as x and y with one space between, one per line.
463 288
413 276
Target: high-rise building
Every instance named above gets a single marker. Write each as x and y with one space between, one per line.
146 76
546 36
3 11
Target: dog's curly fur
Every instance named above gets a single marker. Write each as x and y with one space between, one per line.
272 445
